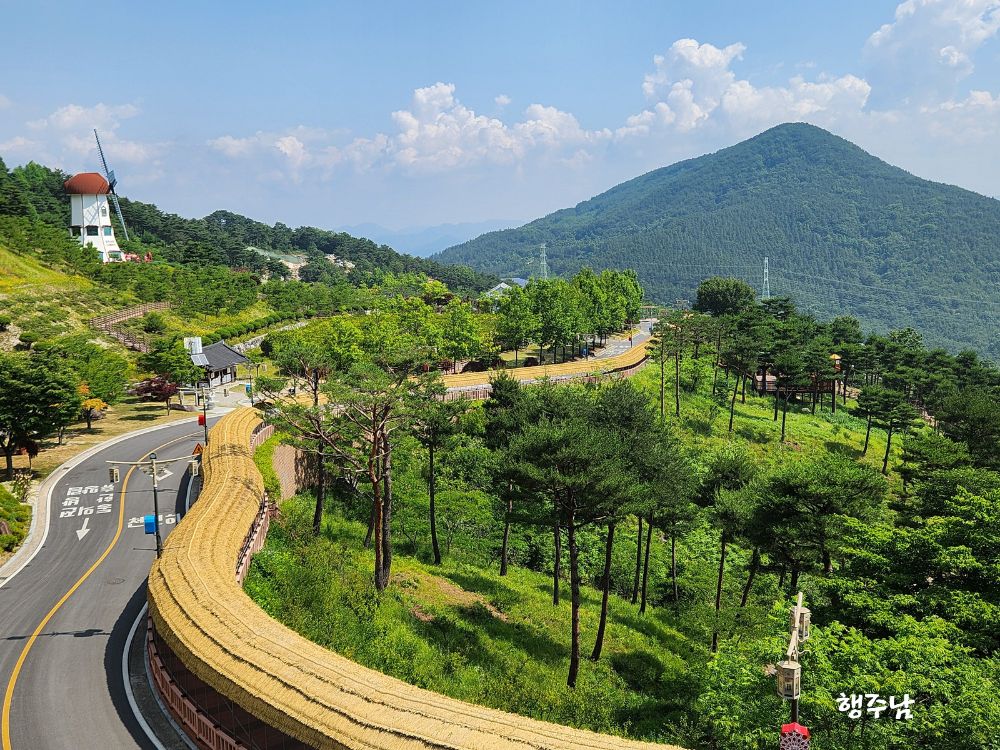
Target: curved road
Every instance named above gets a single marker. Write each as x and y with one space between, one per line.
64 617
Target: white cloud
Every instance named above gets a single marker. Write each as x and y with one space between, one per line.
4 102
928 48
77 117
502 100
435 133
18 143
976 118
693 84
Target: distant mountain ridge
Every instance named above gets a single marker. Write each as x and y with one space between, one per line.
844 232
425 241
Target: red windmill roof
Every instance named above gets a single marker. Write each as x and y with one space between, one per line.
86 183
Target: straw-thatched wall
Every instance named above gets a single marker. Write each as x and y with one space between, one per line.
302 689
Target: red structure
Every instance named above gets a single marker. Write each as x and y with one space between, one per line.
794 736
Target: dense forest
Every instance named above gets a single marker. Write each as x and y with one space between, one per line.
35 194
842 231
622 556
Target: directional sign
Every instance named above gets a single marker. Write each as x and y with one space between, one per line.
83 530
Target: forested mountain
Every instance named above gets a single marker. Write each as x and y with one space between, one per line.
222 238
844 232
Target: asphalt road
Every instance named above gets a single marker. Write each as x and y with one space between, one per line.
63 687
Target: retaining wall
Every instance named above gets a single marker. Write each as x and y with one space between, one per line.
247 681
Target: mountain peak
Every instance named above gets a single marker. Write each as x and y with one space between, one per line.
844 232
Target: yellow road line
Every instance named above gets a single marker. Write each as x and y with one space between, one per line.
9 694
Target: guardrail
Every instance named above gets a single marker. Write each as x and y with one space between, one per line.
235 678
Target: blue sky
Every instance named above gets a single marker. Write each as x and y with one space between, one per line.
411 114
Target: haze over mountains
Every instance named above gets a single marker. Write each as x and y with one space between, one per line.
425 241
844 232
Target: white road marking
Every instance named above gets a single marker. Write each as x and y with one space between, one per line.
83 530
126 680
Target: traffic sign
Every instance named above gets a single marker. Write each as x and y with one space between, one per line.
198 449
149 524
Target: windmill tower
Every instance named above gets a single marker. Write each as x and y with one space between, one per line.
90 214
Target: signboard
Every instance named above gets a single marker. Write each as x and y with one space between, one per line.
149 524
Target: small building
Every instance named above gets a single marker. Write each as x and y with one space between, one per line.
506 284
218 361
90 214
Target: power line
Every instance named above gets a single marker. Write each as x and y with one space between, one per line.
899 292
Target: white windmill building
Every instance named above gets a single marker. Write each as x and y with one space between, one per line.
90 212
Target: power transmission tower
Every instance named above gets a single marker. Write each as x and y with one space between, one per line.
543 263
766 292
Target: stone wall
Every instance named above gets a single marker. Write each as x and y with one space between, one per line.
295 468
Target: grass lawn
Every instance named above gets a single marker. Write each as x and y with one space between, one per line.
466 632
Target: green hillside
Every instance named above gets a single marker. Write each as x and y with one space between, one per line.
844 232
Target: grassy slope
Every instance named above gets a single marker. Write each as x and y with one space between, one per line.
464 631
49 302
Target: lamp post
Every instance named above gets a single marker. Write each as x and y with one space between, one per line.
204 413
789 676
250 376
151 467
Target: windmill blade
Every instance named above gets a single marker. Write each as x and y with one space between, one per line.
118 211
112 181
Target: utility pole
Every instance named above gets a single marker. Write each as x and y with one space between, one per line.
789 678
152 468
766 292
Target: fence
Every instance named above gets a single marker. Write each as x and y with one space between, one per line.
108 324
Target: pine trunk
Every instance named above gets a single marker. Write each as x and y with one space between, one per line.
557 536
677 382
645 565
384 527
574 584
605 591
638 563
673 559
732 404
784 414
718 591
430 488
888 446
754 566
506 532
868 434
318 512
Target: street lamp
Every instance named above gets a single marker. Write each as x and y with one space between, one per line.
203 420
256 366
151 468
788 673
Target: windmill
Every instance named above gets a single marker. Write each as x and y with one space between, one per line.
109 173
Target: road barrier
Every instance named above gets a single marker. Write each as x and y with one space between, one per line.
236 678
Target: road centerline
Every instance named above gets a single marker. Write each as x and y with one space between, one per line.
5 741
